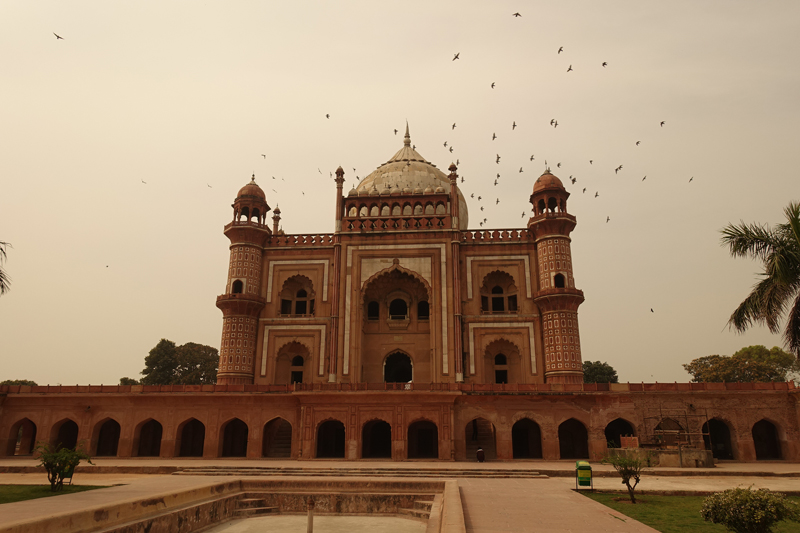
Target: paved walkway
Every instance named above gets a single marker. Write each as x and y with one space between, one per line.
491 505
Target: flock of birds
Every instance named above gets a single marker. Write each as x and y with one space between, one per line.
449 147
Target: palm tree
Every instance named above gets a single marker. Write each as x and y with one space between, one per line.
5 281
779 249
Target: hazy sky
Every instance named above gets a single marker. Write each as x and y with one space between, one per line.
186 96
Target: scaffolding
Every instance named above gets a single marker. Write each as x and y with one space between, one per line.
670 428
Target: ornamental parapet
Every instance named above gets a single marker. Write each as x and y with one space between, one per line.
494 235
559 299
466 388
396 223
319 239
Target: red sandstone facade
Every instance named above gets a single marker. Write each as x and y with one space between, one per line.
401 335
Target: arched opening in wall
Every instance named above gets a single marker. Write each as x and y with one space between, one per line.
244 213
398 309
22 438
502 362
498 293
398 368
277 441
237 287
552 204
64 435
541 207
480 433
526 439
234 439
766 441
330 440
373 311
669 432
573 440
107 438
423 440
558 281
256 215
615 430
717 438
192 434
290 364
149 439
376 440
297 296
423 310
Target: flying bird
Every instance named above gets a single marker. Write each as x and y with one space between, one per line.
209 186
497 202
454 125
514 125
462 179
498 159
58 36
556 124
584 190
596 194
651 310
445 144
531 157
520 170
144 181
327 115
481 208
607 219
552 120
495 183
492 85
264 156
560 49
494 136
558 165
456 56
569 69
395 132
479 198
451 149
457 163
604 63
318 170
638 143
523 214
516 15
644 178
690 179
472 195
590 161
662 123
574 180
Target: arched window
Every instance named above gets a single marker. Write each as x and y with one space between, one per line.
373 311
423 310
297 296
558 281
541 207
498 294
297 369
398 309
238 287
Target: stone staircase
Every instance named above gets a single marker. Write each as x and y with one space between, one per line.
485 439
421 509
247 507
310 471
280 446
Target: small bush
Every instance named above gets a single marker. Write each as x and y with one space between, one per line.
629 467
748 511
60 462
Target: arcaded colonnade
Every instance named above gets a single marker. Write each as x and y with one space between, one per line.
227 421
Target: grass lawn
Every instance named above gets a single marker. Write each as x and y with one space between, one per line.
673 514
18 493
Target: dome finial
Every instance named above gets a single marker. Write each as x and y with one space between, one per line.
407 138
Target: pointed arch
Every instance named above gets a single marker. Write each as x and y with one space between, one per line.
573 439
105 438
234 435
526 439
376 439
401 270
498 293
286 371
331 434
64 434
480 433
147 438
498 350
423 439
190 438
277 440
21 437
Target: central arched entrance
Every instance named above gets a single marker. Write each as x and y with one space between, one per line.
192 438
398 368
376 440
717 438
526 439
573 440
107 438
330 440
480 433
423 440
234 439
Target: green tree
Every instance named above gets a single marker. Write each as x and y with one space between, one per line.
750 364
188 364
60 463
5 281
598 372
128 381
18 382
778 249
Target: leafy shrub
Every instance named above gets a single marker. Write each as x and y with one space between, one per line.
60 463
748 511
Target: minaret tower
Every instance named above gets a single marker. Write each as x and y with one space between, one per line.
242 303
557 297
